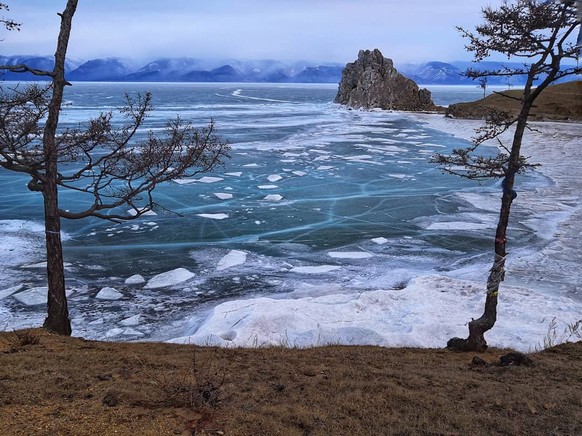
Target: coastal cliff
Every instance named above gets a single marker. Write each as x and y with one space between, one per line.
373 82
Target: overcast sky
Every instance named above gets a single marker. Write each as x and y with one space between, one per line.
314 30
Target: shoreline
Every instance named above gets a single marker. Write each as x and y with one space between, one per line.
526 292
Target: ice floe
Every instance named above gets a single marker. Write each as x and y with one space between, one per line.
136 279
233 258
223 195
213 216
169 278
319 269
273 197
349 254
108 293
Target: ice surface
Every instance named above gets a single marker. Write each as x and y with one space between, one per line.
457 225
350 254
233 258
213 216
135 279
169 278
321 269
428 312
108 293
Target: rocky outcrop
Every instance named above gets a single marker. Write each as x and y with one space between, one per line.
373 82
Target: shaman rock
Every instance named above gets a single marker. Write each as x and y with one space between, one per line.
373 82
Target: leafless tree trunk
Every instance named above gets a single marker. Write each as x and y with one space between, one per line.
57 319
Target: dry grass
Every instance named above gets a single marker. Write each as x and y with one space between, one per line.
562 102
59 385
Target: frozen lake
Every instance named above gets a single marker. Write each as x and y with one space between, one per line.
316 202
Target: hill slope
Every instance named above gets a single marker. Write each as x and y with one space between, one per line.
562 102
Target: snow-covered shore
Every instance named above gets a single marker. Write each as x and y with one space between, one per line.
539 287
426 312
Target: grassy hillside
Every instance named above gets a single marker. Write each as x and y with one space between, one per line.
562 102
56 385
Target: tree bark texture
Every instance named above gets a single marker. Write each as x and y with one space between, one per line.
57 319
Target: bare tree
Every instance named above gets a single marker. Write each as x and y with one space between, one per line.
8 23
483 85
106 164
540 33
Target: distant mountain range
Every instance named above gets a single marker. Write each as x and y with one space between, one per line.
234 70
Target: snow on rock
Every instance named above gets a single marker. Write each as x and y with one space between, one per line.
223 195
135 279
349 254
169 278
213 216
273 197
392 318
320 269
109 294
233 258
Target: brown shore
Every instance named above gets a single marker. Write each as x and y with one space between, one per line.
58 385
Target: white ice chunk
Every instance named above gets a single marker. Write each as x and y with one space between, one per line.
135 279
235 174
350 254
457 225
273 197
132 321
213 216
391 318
208 179
274 178
109 294
42 265
267 186
299 173
380 241
169 278
223 195
35 296
321 269
325 167
233 258
9 291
